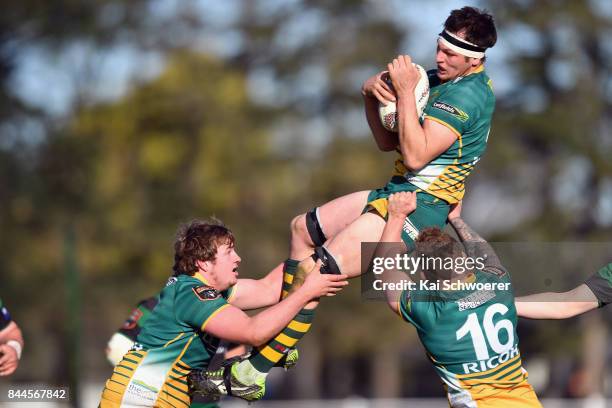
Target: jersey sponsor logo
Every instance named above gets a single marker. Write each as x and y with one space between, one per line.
410 229
461 115
171 280
474 300
205 293
498 272
142 391
485 365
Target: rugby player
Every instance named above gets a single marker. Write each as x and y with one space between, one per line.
470 336
193 314
436 154
595 292
123 339
11 342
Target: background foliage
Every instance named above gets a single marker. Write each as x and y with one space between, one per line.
251 112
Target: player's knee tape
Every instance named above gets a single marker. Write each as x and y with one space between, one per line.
328 262
314 227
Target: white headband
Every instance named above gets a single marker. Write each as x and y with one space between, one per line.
461 46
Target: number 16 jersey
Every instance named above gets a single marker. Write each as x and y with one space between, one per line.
470 337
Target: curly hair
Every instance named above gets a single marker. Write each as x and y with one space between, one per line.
478 25
198 241
434 244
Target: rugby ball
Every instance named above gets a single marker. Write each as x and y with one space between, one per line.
388 112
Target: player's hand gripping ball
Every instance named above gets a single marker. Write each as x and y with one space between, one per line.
388 112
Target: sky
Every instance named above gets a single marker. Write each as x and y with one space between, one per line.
107 74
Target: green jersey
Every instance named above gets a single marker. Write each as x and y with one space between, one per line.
469 334
465 105
601 285
169 345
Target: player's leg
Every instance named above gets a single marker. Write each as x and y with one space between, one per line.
314 228
341 254
307 231
322 223
347 245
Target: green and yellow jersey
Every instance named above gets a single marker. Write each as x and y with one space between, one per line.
601 285
470 337
5 316
171 343
465 105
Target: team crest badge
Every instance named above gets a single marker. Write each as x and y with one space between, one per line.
205 293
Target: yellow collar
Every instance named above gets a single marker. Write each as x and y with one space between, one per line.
478 69
200 277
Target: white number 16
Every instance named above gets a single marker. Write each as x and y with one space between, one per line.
491 330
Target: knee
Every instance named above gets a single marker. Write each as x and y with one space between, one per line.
306 228
298 228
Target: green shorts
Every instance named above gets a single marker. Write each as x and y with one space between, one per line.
430 212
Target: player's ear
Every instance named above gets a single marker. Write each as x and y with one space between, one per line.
204 266
475 62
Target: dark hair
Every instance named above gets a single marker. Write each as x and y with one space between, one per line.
478 26
198 241
432 243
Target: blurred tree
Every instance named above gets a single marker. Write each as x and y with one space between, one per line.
556 125
556 122
264 131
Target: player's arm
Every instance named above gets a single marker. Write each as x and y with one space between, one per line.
375 90
551 305
250 294
399 206
11 344
477 246
418 144
232 324
595 292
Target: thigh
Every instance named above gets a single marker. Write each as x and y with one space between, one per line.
346 245
337 214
